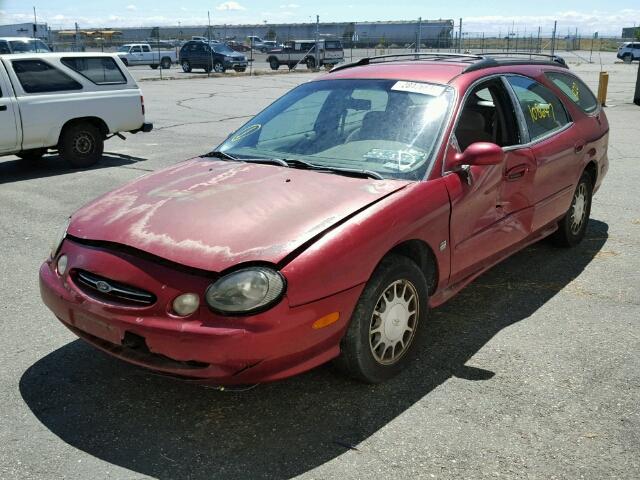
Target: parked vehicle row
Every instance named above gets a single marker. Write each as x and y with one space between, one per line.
69 102
329 225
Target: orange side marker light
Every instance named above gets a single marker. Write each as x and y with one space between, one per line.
326 320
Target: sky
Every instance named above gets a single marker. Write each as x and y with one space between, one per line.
491 16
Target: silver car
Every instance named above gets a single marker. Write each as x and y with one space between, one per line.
629 51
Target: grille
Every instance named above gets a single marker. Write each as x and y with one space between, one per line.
110 290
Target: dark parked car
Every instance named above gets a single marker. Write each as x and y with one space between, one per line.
214 56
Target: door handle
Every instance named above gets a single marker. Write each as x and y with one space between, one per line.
516 172
3 108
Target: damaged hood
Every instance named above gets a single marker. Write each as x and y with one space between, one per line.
212 215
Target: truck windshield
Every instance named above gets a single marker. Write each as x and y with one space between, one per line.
389 127
28 46
124 49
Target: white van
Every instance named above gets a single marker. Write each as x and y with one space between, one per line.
69 102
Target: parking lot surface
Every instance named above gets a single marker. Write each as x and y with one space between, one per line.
533 371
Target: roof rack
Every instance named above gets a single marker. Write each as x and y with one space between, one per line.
415 56
479 61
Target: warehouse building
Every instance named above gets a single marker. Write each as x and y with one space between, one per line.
39 30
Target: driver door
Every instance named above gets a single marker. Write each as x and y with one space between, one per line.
490 204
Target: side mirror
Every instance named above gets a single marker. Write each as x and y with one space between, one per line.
480 153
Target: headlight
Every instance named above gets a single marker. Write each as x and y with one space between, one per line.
246 290
57 240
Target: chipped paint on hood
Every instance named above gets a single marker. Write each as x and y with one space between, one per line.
212 214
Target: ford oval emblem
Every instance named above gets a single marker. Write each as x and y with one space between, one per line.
103 287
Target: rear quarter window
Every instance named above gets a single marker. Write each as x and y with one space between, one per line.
575 90
100 70
37 76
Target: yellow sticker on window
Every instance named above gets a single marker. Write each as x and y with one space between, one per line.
541 111
246 132
575 90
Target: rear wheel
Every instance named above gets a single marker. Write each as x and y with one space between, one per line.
186 66
573 226
627 58
32 155
311 63
81 145
240 70
274 64
386 323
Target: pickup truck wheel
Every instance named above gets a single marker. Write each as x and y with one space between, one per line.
387 322
155 67
274 64
166 63
126 62
311 63
218 67
81 145
32 155
186 66
240 70
573 226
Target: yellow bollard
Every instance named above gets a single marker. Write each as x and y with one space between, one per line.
603 84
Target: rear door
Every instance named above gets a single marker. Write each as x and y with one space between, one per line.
556 143
9 133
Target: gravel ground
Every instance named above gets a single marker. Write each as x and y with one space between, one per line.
530 372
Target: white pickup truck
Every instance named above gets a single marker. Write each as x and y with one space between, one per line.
145 54
69 102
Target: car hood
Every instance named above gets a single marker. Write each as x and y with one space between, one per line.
212 214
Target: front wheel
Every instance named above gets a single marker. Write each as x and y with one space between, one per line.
218 67
186 66
166 63
627 58
81 145
311 63
274 64
573 226
154 67
386 323
240 70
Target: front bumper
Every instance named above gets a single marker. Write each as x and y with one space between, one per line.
204 346
234 64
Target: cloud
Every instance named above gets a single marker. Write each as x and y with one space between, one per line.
290 5
131 8
228 6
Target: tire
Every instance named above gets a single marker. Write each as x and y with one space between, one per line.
218 67
81 145
165 63
154 67
126 62
240 70
32 155
364 354
571 232
207 69
311 63
627 58
186 66
274 63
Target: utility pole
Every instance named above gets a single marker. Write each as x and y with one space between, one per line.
35 27
538 42
419 42
636 96
460 35
209 42
75 38
317 62
553 38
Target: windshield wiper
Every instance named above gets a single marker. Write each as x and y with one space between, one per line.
226 156
295 163
221 155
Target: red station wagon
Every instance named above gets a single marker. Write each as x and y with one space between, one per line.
327 226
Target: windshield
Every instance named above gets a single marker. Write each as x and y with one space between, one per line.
222 48
28 46
124 49
386 126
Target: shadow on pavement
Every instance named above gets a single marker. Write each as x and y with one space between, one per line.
167 429
52 165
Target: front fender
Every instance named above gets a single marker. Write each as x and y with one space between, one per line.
347 255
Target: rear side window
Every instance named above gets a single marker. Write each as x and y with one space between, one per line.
101 71
37 76
543 111
4 47
577 91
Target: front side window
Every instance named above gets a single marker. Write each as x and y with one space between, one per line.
577 91
28 46
37 76
386 126
101 71
543 111
136 50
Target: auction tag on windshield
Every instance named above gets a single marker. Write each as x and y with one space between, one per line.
417 87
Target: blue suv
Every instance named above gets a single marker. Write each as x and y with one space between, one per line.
218 57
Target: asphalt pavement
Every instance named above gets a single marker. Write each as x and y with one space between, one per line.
533 371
